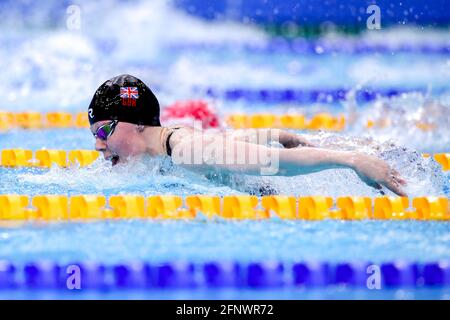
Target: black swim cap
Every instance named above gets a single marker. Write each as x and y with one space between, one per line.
124 98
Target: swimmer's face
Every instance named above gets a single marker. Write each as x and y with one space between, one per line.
126 141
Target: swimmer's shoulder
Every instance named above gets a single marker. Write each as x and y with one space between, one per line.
177 133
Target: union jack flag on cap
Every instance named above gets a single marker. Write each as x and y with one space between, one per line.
129 92
129 96
124 98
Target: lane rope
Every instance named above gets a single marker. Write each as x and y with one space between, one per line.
298 121
77 208
222 274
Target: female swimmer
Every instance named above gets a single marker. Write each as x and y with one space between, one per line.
124 119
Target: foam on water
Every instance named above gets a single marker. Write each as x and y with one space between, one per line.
424 175
56 68
50 71
145 176
49 67
415 120
158 176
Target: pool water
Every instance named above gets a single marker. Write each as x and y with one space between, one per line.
55 69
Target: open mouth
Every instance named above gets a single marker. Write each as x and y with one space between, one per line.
114 160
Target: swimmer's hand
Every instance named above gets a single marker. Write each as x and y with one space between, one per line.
376 172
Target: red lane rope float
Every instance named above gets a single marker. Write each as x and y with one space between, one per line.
191 110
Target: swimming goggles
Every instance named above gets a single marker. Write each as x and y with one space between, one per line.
105 131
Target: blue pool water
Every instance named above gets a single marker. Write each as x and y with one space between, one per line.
49 68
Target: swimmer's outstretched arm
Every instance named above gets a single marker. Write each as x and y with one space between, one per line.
290 162
284 137
372 170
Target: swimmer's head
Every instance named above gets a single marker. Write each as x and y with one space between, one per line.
118 113
126 99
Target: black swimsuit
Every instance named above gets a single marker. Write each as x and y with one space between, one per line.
168 148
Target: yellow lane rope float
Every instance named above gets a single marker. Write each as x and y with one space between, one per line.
37 120
318 121
237 207
14 158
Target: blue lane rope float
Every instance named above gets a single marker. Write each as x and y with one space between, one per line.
220 274
292 95
302 46
350 16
